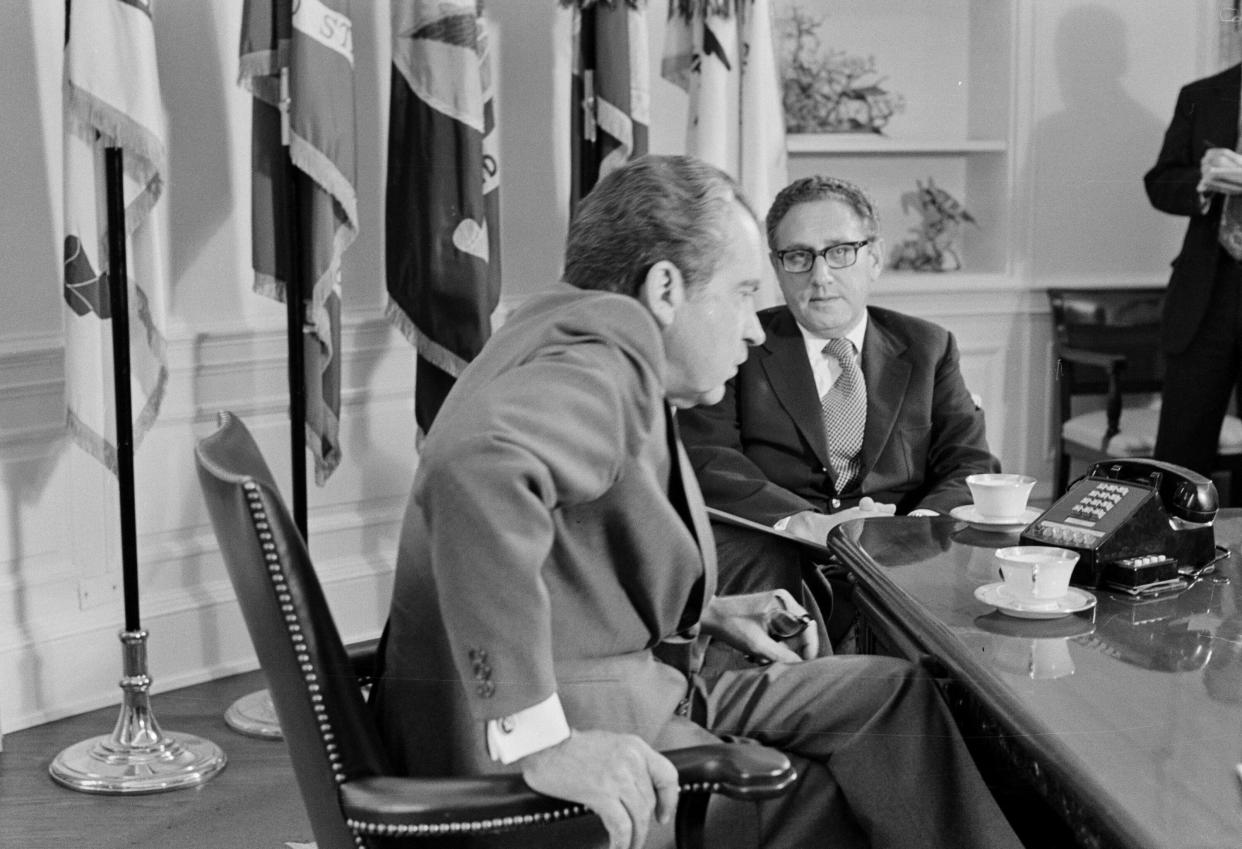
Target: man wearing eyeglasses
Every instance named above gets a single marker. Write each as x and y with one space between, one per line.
845 409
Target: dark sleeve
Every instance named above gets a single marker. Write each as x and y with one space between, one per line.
959 444
729 479
1172 183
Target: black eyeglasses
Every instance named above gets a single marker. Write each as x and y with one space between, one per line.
800 260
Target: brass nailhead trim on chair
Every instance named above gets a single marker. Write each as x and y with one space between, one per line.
275 568
498 824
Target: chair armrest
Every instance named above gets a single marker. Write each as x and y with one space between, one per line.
1114 364
392 806
425 807
1100 359
743 770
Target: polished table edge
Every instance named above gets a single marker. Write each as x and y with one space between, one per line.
945 655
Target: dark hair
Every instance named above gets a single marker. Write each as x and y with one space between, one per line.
810 189
652 208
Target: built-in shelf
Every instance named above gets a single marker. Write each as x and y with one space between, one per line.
870 144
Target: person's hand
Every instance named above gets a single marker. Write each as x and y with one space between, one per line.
618 776
814 527
767 626
1221 170
923 511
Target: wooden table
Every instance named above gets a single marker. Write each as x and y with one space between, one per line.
1127 719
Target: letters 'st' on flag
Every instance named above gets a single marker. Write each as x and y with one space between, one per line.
313 41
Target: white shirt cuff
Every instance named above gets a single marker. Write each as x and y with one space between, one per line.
782 524
530 730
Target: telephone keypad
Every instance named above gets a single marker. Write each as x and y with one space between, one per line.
1096 503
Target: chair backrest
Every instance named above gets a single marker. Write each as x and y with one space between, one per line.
1111 321
327 727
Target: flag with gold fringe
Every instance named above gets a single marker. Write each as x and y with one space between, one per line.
112 99
723 54
312 42
610 101
443 202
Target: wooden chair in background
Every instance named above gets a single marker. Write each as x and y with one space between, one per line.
1106 347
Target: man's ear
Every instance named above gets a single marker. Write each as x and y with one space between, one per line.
876 250
663 290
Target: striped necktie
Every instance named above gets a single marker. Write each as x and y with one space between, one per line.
845 415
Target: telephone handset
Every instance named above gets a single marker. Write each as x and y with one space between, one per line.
1138 525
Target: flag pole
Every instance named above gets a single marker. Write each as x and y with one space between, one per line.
254 714
137 757
294 317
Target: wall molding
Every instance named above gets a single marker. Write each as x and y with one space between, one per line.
60 600
78 671
32 379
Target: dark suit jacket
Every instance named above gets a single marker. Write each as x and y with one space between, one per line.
541 553
762 453
1206 116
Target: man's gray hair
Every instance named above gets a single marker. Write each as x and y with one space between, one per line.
810 189
652 208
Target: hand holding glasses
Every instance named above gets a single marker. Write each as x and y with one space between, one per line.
782 623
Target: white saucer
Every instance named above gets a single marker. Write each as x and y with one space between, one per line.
970 515
998 596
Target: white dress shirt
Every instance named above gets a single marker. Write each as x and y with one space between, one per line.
530 730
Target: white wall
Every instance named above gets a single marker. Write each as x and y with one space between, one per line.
1081 149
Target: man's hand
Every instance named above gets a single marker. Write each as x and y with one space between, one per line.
1221 170
770 626
814 527
618 776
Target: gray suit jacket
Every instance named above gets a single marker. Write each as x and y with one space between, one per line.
541 553
761 453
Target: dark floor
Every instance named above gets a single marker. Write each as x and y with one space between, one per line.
252 804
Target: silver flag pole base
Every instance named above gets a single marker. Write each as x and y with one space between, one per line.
136 757
255 716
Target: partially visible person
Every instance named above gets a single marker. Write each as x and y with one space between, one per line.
555 583
776 449
1196 173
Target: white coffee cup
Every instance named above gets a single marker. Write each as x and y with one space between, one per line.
1036 574
1000 496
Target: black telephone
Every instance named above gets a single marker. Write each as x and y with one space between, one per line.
1138 525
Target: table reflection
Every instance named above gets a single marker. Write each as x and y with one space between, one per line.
1124 717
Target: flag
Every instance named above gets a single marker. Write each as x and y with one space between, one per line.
610 100
112 99
312 41
443 203
721 52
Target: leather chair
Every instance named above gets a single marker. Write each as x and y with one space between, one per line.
1106 344
351 795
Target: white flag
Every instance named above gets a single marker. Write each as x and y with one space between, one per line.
112 99
722 54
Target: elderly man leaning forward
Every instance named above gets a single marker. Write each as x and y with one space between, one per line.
844 409
556 574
